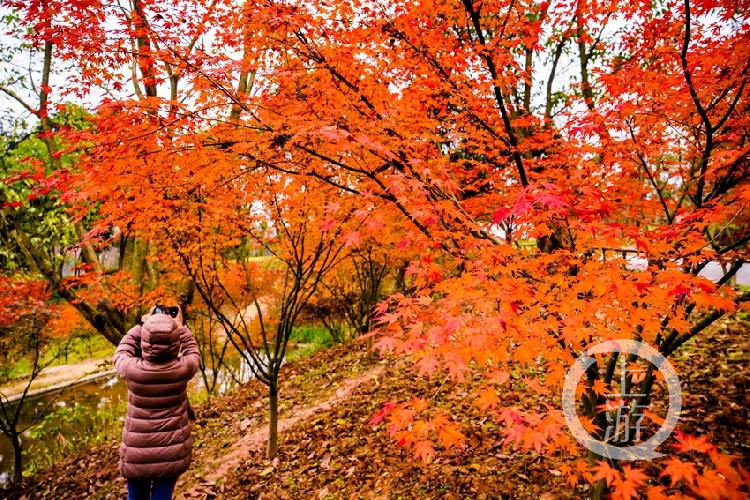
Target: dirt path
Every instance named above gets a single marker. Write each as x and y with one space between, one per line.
256 439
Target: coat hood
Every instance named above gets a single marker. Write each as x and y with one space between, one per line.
160 339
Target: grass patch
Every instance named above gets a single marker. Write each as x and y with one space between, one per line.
65 351
307 340
311 334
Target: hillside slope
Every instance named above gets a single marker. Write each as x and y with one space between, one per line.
328 449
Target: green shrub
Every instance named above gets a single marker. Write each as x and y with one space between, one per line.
311 334
71 429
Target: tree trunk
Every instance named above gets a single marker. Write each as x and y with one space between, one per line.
18 457
273 420
597 490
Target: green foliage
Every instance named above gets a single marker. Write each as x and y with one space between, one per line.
306 340
42 218
35 209
72 429
65 351
311 334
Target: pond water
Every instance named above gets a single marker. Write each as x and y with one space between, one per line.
106 393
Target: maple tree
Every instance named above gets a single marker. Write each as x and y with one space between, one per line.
559 173
302 242
24 312
110 285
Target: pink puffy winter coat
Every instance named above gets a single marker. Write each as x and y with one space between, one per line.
156 438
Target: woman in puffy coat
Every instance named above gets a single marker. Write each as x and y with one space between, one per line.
157 360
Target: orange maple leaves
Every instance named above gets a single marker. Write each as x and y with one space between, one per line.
706 473
413 429
528 230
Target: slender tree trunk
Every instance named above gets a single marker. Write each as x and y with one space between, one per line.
17 457
590 403
527 84
597 490
273 419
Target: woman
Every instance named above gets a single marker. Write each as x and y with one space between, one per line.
157 360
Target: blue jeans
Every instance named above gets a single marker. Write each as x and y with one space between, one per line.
151 489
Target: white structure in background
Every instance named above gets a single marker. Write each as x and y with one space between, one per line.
712 271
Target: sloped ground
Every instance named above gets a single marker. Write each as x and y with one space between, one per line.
336 454
255 442
330 450
715 375
220 424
